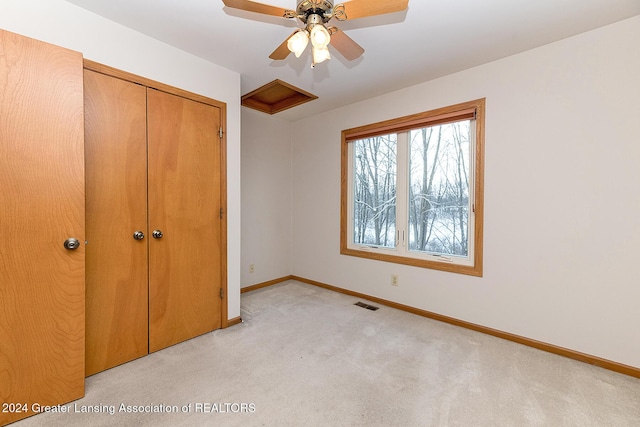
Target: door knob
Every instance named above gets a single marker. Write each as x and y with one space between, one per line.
71 244
157 234
138 235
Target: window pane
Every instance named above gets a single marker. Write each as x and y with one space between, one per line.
439 189
374 191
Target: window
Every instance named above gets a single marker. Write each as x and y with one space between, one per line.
412 189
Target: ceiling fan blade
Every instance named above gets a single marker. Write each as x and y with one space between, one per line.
252 6
362 8
282 51
345 44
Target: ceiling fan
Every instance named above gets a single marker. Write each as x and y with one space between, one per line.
315 14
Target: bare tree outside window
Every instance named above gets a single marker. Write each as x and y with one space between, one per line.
439 189
375 190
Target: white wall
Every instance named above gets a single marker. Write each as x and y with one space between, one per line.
562 196
266 197
101 40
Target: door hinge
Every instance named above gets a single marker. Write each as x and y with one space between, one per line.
221 213
220 132
221 293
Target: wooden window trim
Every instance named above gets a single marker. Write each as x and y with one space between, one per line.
451 113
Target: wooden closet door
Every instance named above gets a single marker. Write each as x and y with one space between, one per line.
41 205
184 203
116 185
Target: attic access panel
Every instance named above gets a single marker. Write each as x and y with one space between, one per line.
275 97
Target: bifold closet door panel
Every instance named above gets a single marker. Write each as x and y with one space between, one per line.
116 207
184 204
41 207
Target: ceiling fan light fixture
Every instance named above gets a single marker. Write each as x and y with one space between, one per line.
315 15
297 43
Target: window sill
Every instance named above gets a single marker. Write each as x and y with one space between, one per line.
415 262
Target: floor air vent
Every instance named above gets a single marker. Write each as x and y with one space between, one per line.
367 306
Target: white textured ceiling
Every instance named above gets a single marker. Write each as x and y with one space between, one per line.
432 38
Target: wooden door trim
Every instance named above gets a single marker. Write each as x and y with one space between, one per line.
133 78
224 309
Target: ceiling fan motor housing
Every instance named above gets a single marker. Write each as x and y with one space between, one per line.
321 8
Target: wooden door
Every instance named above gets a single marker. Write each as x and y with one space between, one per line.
41 205
116 186
184 203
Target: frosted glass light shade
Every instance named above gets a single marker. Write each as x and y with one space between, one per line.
320 37
320 55
298 42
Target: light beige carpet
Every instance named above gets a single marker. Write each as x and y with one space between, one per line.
305 356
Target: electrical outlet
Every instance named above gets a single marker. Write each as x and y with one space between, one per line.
394 280
252 268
